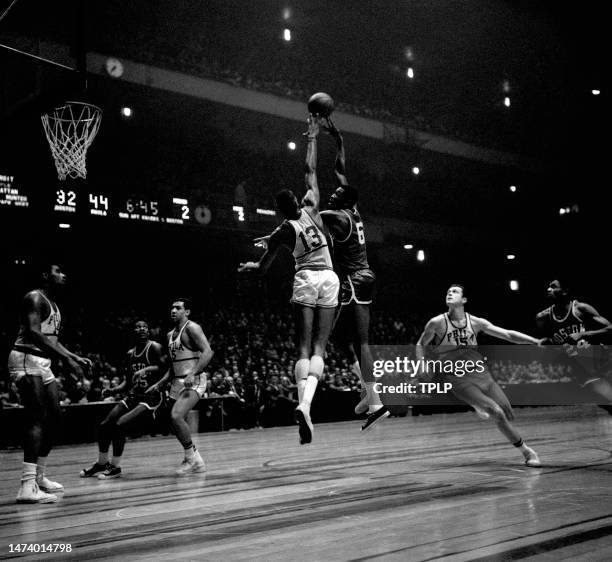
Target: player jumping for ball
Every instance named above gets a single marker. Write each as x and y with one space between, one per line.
356 280
142 370
454 336
315 285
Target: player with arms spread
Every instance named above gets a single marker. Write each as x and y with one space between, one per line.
315 285
189 353
356 280
29 365
454 336
142 370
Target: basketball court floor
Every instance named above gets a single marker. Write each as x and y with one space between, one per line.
443 487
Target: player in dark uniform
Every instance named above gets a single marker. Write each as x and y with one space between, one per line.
356 281
576 325
142 370
453 337
29 365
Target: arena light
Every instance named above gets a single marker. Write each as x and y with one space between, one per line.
410 72
408 246
291 145
506 86
507 101
562 211
64 225
513 188
286 14
514 285
421 255
416 170
408 53
510 256
127 112
287 34
596 92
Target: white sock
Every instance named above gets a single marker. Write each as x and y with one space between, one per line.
374 402
316 370
40 467
28 471
116 461
190 453
302 366
102 457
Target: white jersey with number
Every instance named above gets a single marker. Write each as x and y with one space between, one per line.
183 358
311 250
49 327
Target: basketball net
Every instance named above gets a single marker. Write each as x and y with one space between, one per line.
70 129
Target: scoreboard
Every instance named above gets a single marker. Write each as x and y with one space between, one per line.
68 202
167 210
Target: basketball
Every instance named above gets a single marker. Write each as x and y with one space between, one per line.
321 104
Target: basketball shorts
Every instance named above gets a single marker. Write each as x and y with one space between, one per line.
316 288
464 389
357 287
178 386
152 401
21 364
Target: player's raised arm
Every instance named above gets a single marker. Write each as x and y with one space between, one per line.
340 165
200 343
312 197
501 333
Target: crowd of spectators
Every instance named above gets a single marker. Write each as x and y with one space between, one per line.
252 365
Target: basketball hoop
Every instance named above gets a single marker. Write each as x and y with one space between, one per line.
70 130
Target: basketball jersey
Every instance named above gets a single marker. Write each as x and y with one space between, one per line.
558 329
310 250
350 253
183 358
49 327
457 339
137 362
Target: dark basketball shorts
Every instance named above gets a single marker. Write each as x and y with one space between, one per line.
152 400
358 287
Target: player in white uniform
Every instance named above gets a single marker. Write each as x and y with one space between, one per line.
29 366
189 353
315 286
454 336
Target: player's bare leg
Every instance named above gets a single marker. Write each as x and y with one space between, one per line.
323 322
305 320
501 414
186 401
38 438
106 436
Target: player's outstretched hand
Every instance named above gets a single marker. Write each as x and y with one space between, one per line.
248 266
313 127
75 366
331 128
261 242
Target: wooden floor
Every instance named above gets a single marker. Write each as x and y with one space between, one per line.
444 487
